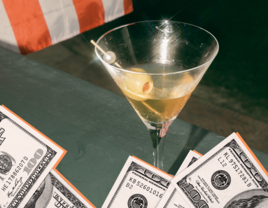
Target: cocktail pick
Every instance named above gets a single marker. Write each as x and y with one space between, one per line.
109 56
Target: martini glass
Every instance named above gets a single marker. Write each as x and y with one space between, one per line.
158 65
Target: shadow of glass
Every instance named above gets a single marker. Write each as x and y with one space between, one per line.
197 134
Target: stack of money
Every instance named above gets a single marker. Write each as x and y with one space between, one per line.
28 175
228 176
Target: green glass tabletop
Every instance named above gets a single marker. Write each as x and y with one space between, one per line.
99 129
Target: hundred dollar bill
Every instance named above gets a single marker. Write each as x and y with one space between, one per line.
190 158
56 191
138 185
228 176
171 198
26 157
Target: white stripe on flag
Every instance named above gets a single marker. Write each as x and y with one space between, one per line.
113 9
61 19
7 37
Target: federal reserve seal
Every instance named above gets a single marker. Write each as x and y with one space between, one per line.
137 201
5 164
221 180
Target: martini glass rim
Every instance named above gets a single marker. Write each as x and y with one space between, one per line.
166 73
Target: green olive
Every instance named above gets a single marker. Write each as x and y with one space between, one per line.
133 96
140 84
186 84
186 80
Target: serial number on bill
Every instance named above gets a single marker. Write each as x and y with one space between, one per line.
143 186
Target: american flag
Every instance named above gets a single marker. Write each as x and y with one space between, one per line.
31 25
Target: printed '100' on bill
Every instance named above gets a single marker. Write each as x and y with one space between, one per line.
228 176
138 185
26 157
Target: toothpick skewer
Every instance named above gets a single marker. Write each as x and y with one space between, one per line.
152 109
104 52
98 47
115 63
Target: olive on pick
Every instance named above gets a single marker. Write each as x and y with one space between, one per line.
138 84
133 96
186 80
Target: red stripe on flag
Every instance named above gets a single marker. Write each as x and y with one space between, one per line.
29 25
90 13
128 6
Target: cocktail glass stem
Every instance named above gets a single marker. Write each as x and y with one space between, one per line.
158 148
